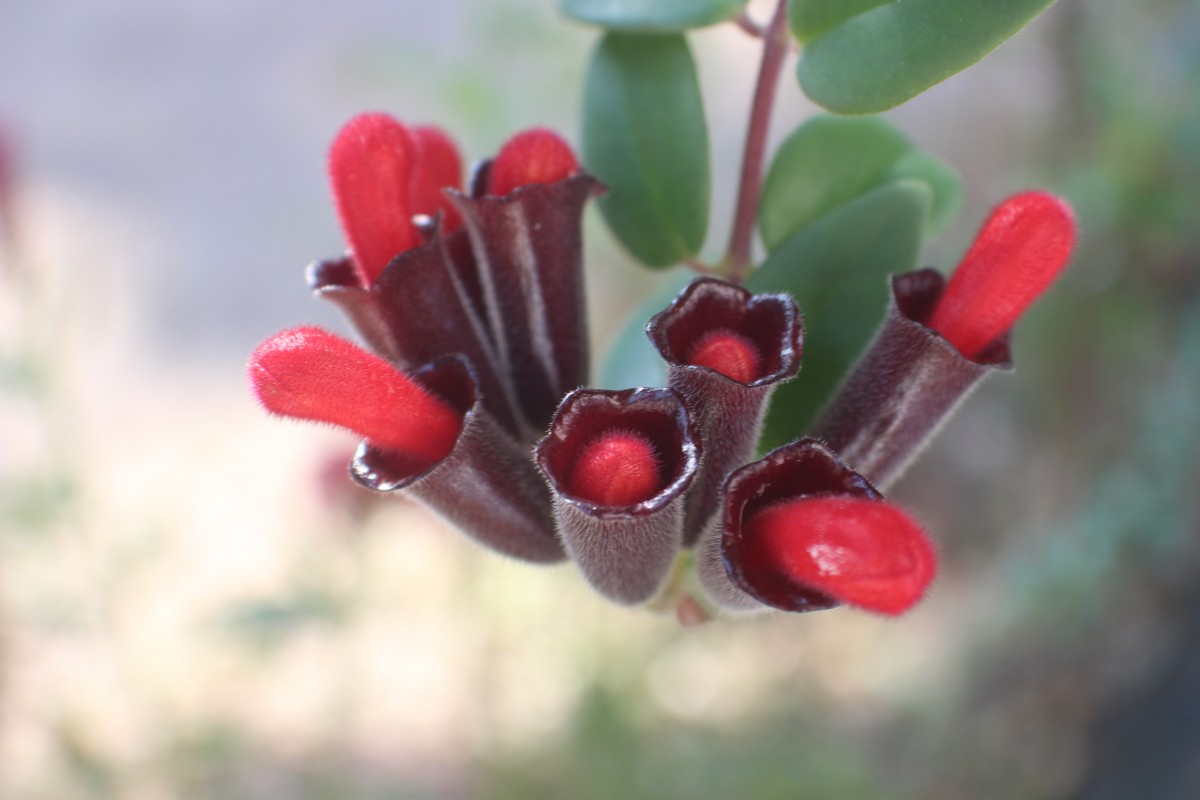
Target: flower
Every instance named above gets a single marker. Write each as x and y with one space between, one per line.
475 398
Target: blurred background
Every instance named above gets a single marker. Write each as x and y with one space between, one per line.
195 601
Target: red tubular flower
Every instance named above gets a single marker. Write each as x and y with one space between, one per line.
306 373
1022 247
727 350
938 342
804 532
423 432
619 465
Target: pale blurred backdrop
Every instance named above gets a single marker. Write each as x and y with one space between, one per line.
195 602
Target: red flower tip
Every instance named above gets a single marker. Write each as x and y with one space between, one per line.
306 373
371 168
438 166
617 468
1021 249
729 353
538 155
864 552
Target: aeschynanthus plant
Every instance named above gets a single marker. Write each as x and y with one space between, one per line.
471 297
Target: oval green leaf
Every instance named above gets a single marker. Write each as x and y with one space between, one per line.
880 58
652 15
810 18
645 136
829 161
947 189
837 270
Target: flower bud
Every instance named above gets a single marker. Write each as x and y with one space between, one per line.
538 155
1021 249
371 167
306 373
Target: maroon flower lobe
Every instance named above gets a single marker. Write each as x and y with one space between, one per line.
864 552
617 468
307 373
1021 249
538 155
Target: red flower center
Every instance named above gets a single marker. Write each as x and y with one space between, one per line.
729 353
617 468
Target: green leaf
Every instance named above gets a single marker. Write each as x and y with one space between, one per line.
947 189
645 136
811 18
878 59
829 161
824 164
632 360
652 15
837 271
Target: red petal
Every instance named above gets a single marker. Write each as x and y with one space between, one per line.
866 553
729 353
538 155
618 468
371 166
306 373
438 166
1020 250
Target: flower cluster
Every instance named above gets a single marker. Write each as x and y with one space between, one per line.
473 399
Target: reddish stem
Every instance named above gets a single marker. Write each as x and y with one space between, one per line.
775 49
748 25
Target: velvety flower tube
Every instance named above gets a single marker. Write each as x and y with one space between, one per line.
803 532
527 248
939 341
619 465
909 381
424 431
726 350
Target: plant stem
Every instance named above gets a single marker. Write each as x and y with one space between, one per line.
775 49
749 26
